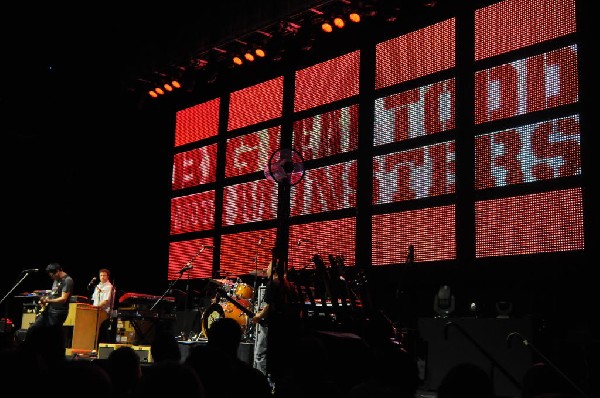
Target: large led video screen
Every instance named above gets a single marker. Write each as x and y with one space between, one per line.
465 151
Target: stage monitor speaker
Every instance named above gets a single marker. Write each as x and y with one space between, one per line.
104 349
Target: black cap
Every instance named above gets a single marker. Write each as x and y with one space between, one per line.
53 267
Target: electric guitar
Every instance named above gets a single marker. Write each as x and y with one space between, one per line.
42 306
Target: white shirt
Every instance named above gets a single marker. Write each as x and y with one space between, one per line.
103 292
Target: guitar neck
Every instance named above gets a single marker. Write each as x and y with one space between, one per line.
236 303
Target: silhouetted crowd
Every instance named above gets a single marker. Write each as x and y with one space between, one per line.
39 365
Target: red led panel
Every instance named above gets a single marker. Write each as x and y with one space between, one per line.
326 82
256 104
513 24
431 231
414 174
415 54
249 202
195 167
335 237
251 152
327 134
527 85
197 122
538 223
529 153
180 253
194 212
243 252
325 189
414 113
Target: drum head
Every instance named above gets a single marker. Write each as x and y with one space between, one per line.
210 314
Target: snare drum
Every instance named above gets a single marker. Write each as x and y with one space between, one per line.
245 291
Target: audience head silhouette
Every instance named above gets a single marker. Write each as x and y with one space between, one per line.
225 334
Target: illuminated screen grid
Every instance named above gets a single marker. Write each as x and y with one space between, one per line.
256 104
414 174
199 251
527 85
415 113
529 153
195 167
326 82
249 202
197 122
333 237
325 189
537 223
327 134
244 252
416 54
251 152
192 213
431 231
499 28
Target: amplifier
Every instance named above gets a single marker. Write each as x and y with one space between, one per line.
104 350
144 353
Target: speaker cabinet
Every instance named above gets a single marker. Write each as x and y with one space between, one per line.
27 320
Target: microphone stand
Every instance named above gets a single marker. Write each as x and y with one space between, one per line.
25 274
537 352
187 267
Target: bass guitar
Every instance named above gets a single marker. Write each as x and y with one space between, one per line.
239 305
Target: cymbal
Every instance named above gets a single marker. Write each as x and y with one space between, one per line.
221 281
261 273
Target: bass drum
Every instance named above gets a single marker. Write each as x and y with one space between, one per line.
211 314
232 311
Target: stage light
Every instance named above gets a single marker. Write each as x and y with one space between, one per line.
237 60
153 94
443 302
249 57
176 84
168 87
159 91
326 27
260 52
339 22
354 17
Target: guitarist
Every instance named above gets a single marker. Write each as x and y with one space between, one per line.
281 314
55 306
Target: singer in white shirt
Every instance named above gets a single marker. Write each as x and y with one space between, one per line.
103 292
103 297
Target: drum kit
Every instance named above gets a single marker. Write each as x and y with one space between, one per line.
234 299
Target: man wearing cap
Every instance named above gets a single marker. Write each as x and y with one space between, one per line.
54 308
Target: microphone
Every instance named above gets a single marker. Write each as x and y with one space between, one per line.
89 286
303 240
187 267
209 247
260 239
30 270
